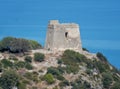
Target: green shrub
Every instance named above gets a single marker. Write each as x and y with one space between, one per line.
88 71
6 63
78 84
87 85
1 46
14 59
6 43
34 87
28 66
39 57
116 77
84 49
18 45
64 83
107 80
72 60
72 69
60 77
28 75
25 81
1 67
31 76
90 64
101 57
56 72
53 71
34 44
40 71
60 69
15 44
28 59
9 79
115 70
49 78
59 61
20 64
21 86
116 85
55 87
102 67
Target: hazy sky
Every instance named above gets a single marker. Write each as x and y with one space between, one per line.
99 21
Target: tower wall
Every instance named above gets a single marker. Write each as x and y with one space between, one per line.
63 36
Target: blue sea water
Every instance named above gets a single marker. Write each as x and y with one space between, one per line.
99 22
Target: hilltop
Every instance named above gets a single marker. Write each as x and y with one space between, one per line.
37 68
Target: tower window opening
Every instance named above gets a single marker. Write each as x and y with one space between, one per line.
66 34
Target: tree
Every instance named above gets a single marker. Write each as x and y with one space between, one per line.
15 44
39 57
9 79
19 45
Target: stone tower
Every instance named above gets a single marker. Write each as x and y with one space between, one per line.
63 36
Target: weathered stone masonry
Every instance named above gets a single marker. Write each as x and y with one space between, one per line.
63 36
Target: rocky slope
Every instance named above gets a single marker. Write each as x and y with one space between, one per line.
60 70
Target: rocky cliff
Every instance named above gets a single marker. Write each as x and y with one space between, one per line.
58 70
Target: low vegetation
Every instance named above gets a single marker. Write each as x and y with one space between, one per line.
49 78
28 59
101 57
39 57
72 60
107 80
6 63
18 45
80 84
24 75
56 72
9 79
84 49
116 85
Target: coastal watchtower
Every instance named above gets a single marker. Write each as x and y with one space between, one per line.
63 36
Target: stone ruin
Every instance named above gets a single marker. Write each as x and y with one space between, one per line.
62 36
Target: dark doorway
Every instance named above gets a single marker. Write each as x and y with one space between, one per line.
66 34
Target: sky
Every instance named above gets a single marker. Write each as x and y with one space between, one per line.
99 22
